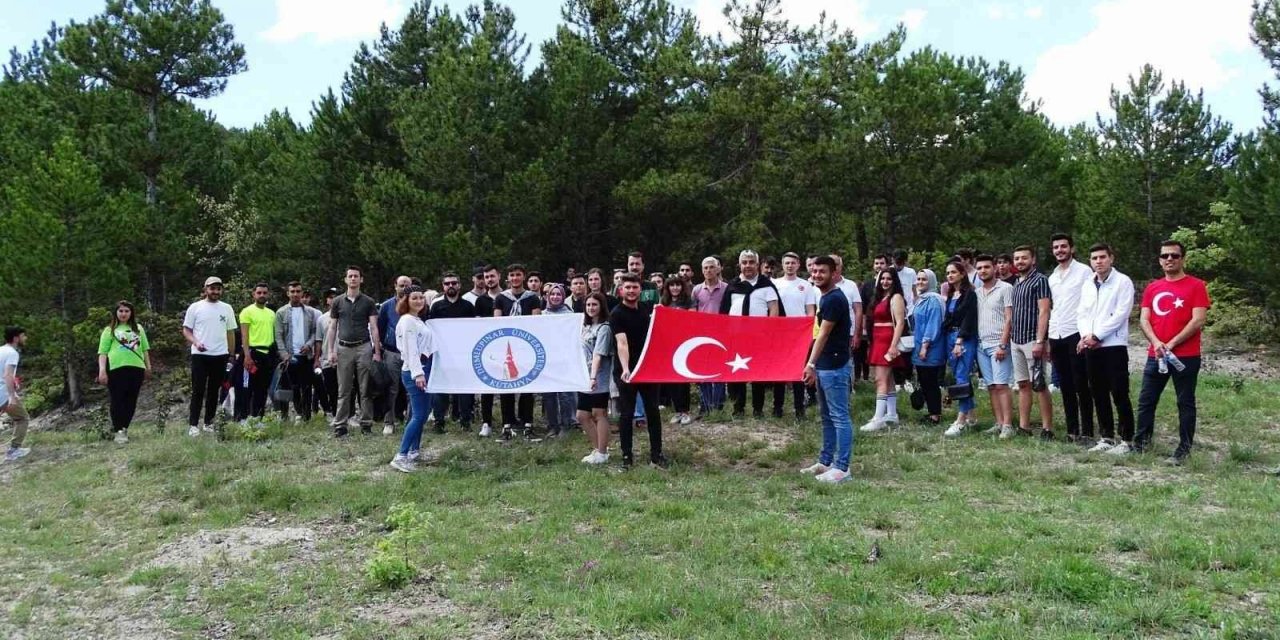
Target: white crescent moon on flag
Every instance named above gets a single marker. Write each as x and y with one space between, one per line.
680 360
1155 303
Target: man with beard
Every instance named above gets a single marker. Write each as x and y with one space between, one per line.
209 327
451 305
517 301
750 294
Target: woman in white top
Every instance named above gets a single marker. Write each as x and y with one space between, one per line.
416 343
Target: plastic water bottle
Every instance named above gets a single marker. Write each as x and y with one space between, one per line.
1173 360
1163 365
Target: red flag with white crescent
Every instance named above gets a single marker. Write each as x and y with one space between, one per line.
689 346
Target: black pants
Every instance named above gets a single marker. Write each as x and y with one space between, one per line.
327 389
463 405
207 373
1073 382
627 407
738 394
123 386
780 397
1184 386
1109 380
298 377
260 382
678 394
902 374
930 379
486 408
862 368
509 406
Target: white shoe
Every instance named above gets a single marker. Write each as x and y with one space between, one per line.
208 428
1103 445
872 426
587 458
403 463
597 458
485 430
415 455
815 469
1053 388
686 419
1007 431
956 429
909 387
674 419
982 385
122 437
194 432
993 431
1120 449
833 476
388 429
14 454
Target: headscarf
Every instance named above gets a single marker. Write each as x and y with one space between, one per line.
564 307
932 279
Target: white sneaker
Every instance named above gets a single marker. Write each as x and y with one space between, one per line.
833 476
208 428
1053 388
587 458
956 429
686 419
993 431
674 419
122 437
388 429
415 455
403 463
872 426
1103 445
193 432
982 384
1120 449
815 469
1007 431
485 430
598 458
14 454
909 387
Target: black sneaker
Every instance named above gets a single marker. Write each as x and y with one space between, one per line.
553 432
1177 459
340 432
507 433
366 430
628 463
1046 434
778 414
659 462
758 415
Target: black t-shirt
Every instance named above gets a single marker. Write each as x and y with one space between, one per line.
834 306
633 323
460 308
527 302
484 306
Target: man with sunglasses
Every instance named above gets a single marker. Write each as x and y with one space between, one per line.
451 304
1173 314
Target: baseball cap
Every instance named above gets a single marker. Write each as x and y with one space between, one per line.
212 280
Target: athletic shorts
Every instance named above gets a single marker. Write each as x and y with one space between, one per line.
590 401
995 371
1022 361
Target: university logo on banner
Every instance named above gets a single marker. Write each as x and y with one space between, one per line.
522 354
688 346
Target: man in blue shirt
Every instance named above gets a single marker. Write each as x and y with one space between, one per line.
387 319
830 367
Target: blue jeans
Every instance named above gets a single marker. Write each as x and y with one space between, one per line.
962 367
833 407
419 407
560 407
711 396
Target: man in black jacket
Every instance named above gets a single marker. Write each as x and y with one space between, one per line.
452 305
750 294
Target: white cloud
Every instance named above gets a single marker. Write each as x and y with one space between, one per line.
333 20
912 18
1184 39
849 14
1033 13
997 12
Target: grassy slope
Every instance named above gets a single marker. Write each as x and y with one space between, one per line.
979 538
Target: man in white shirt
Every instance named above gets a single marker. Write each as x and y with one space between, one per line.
209 327
799 298
1106 300
10 395
750 294
1065 283
906 275
850 290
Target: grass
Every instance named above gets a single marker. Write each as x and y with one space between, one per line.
979 538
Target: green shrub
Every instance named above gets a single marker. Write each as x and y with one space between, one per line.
390 567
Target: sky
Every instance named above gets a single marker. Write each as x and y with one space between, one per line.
1072 51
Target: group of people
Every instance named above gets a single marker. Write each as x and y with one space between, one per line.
998 313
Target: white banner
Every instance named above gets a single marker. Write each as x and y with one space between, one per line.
525 354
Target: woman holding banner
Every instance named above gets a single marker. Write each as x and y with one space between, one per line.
597 347
416 343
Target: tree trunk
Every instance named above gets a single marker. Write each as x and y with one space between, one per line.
860 236
151 171
890 231
75 397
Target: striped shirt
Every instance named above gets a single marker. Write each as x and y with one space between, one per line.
991 306
1026 309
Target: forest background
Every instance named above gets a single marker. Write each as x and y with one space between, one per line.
444 149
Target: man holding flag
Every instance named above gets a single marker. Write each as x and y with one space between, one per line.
630 323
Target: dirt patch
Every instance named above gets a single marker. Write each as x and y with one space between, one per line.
1122 477
230 545
1251 364
419 605
771 435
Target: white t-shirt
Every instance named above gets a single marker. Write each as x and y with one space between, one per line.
795 295
907 276
8 358
210 322
1064 291
760 299
850 290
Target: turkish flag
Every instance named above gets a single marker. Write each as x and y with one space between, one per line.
689 346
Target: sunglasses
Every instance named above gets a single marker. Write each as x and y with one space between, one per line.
1170 256
452 284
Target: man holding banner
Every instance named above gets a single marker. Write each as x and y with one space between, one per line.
630 322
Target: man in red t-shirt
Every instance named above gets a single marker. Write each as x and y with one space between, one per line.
1173 313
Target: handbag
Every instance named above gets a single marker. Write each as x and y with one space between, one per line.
960 391
907 341
281 392
917 397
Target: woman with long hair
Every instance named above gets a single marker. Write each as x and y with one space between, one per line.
930 353
597 347
124 362
558 405
416 343
960 324
888 323
677 293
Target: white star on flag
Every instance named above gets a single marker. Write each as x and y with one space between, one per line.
1178 303
738 363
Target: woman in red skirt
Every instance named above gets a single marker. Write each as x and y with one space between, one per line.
888 323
